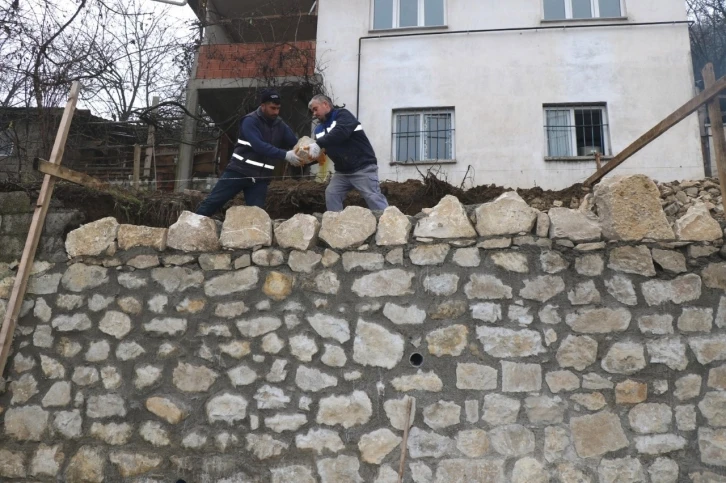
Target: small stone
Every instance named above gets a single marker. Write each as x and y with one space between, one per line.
313 380
447 341
518 377
376 346
577 352
449 310
686 288
584 293
656 324
495 244
59 395
47 461
504 343
303 347
650 418
669 351
330 258
429 254
304 262
71 323
86 466
395 256
624 358
166 409
688 387
606 425
599 321
498 409
686 418
512 440
241 376
329 327
85 376
442 285
191 378
226 408
663 470
112 433
154 433
401 315
473 443
342 468
552 262
557 440
670 260
129 350
711 446
698 225
562 381
487 312
319 440
105 406
142 262
467 257
286 422
237 281
592 402
475 377
421 381
375 446
348 411
258 326
511 261
442 414
622 290
543 410
590 265
637 260
487 287
146 376
363 261
396 410
713 408
542 288
264 446
23 389
471 408
386 283
67 423
709 349
424 444
542 228
334 356
694 319
631 392
625 470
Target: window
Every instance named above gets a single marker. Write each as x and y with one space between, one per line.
389 14
6 144
576 131
570 9
423 135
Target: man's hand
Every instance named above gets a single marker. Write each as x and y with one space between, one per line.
292 158
314 150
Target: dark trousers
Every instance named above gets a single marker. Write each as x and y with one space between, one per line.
229 184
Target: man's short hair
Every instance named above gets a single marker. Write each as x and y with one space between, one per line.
320 98
270 95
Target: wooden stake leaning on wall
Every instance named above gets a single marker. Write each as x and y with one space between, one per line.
598 162
36 228
683 112
719 137
150 142
137 165
404 443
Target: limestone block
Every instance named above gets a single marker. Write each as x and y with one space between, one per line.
529 470
237 281
507 215
629 209
606 425
498 410
134 464
246 227
329 327
425 444
193 233
686 288
670 260
698 225
376 346
622 470
637 260
394 228
92 239
487 287
650 418
709 349
349 228
599 321
166 409
421 381
226 408
473 443
86 466
429 254
386 283
577 352
624 358
336 470
511 261
362 261
449 340
713 408
348 411
191 378
447 219
264 446
475 377
375 446
542 288
712 445
80 277
507 343
573 225
131 236
319 440
512 440
299 232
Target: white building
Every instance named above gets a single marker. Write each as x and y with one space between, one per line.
520 93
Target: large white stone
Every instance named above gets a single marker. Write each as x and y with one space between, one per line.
698 225
393 228
421 381
191 378
573 225
116 324
400 315
606 426
447 219
512 440
329 327
193 233
629 209
507 215
246 227
442 414
686 288
27 423
375 446
81 278
386 283
428 444
340 469
320 440
92 239
280 423
349 228
299 232
131 236
624 358
449 340
508 343
258 326
313 380
229 283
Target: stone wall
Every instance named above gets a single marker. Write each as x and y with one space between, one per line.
575 346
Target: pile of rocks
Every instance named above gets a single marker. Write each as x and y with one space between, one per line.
679 196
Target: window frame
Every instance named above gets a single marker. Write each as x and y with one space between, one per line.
572 107
422 112
594 6
5 135
395 19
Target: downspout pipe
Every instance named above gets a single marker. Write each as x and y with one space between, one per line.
479 31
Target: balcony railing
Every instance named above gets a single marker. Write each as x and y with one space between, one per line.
256 60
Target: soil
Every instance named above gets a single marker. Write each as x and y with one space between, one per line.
284 199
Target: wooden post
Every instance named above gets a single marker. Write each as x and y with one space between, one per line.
137 165
598 161
719 139
680 114
404 443
150 142
36 228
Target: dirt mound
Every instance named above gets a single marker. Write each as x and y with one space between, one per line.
284 199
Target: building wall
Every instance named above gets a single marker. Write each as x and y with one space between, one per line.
498 83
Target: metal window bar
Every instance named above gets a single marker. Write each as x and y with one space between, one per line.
579 131
423 136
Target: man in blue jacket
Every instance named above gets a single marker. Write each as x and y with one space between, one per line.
345 142
264 141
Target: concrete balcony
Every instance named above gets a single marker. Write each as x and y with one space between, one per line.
256 60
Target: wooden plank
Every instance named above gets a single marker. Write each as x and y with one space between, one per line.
36 228
150 141
137 165
719 138
680 114
404 443
67 174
